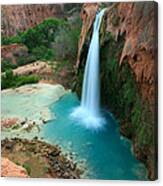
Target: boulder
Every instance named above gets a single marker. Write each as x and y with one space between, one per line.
10 169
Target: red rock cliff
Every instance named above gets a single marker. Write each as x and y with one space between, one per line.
137 24
21 17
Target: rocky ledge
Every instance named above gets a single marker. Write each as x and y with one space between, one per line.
38 159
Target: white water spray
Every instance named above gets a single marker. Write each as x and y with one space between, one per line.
89 110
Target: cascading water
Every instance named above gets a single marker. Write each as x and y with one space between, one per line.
89 110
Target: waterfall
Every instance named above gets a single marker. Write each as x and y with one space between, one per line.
89 110
91 88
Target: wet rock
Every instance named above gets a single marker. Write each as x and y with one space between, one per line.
54 153
44 121
9 146
35 138
23 122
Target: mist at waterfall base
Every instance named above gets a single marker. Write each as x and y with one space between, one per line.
89 110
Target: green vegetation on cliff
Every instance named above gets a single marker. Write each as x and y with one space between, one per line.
6 65
120 94
41 34
52 39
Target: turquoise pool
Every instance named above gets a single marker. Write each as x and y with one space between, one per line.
107 154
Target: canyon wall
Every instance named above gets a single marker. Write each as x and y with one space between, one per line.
18 18
128 38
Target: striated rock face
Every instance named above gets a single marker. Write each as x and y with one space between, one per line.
128 71
138 22
10 169
21 17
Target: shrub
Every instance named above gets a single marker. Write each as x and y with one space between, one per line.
43 53
43 34
27 167
65 45
9 80
31 38
26 60
66 41
22 80
9 74
52 39
10 40
6 65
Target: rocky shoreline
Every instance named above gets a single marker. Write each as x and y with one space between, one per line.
40 159
23 154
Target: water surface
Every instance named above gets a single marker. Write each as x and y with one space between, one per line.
108 155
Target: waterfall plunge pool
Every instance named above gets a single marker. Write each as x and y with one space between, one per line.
108 155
